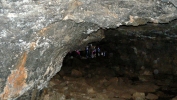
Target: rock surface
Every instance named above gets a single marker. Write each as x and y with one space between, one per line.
104 84
35 35
151 96
138 96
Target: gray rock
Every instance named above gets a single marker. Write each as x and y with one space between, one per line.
35 35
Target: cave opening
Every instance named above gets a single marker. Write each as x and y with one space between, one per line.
132 64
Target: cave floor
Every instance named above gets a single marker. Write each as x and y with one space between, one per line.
97 79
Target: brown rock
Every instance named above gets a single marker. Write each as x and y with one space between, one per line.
175 98
113 80
125 96
90 91
120 81
76 73
139 96
52 83
102 81
148 87
61 73
146 72
160 94
152 96
101 97
46 97
125 80
145 78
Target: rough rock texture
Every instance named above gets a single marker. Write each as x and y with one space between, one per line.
35 35
100 81
151 46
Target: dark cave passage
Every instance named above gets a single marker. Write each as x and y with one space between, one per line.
134 68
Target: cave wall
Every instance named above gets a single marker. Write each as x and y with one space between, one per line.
143 47
35 35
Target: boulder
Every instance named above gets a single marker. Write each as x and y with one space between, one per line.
138 96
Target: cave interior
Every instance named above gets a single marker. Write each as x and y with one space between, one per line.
134 63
